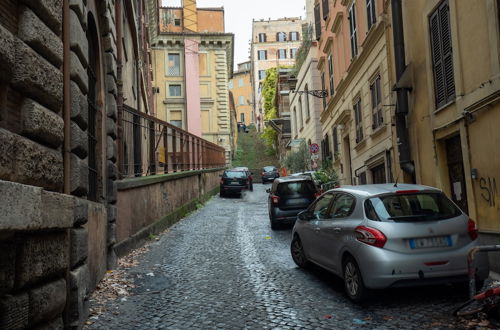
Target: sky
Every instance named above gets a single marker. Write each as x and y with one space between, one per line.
239 14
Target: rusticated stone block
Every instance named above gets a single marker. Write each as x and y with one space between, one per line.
111 150
79 290
111 129
7 53
57 210
109 45
79 7
111 234
79 176
110 63
36 34
78 73
40 256
79 246
7 265
41 124
112 170
112 191
50 11
112 211
111 107
47 302
56 324
37 165
81 212
14 311
79 106
78 39
36 77
111 85
7 149
79 141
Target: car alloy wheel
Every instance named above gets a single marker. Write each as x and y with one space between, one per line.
353 281
298 254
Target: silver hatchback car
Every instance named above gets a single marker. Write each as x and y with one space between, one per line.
382 235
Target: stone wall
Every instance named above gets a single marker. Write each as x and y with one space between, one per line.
150 204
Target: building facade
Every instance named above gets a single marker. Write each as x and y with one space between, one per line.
355 71
241 87
452 59
193 60
61 105
274 43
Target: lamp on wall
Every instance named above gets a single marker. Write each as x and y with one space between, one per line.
319 93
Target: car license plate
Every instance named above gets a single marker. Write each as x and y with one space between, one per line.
430 242
234 182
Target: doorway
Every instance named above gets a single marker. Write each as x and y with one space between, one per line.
456 172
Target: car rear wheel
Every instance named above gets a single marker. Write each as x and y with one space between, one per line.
353 282
298 254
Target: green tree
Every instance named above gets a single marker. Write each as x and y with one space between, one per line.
299 160
269 135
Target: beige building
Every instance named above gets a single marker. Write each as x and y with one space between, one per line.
274 43
241 87
193 60
452 54
355 66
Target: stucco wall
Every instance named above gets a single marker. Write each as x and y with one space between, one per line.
143 202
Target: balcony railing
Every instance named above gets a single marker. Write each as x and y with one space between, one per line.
151 146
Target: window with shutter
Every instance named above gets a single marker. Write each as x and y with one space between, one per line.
370 13
323 88
353 30
358 119
335 142
317 21
330 69
306 102
376 96
326 9
442 55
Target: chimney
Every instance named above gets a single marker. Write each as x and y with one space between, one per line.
190 15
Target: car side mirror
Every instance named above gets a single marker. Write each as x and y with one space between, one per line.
304 215
268 190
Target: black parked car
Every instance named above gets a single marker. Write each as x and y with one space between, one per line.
269 173
288 196
233 181
249 176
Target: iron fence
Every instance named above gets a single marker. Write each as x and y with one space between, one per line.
151 146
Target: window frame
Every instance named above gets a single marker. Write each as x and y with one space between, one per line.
281 53
281 35
358 119
262 37
296 34
179 72
371 13
170 85
330 70
261 51
353 35
376 102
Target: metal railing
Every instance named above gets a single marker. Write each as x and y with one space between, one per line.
151 146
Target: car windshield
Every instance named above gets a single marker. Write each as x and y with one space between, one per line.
269 168
296 188
411 207
235 174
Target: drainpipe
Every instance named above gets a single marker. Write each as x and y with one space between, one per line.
66 99
405 161
119 96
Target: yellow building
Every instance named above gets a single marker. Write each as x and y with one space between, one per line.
453 70
193 59
241 87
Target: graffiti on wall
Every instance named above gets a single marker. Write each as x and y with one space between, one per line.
488 190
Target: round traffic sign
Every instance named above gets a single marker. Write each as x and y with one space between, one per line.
314 147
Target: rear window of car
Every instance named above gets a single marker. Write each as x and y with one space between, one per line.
269 168
296 188
413 207
235 174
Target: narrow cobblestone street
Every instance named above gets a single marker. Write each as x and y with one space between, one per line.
223 267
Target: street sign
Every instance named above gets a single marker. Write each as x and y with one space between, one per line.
314 147
314 157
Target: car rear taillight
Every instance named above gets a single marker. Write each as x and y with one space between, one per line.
370 236
275 199
317 194
263 173
472 229
221 181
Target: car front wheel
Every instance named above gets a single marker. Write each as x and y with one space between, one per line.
353 281
298 254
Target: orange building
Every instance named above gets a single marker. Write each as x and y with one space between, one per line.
241 87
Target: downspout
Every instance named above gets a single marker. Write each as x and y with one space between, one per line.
66 98
119 97
405 162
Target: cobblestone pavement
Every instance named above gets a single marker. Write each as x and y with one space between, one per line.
223 267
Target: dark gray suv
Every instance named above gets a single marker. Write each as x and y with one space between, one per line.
288 196
269 173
